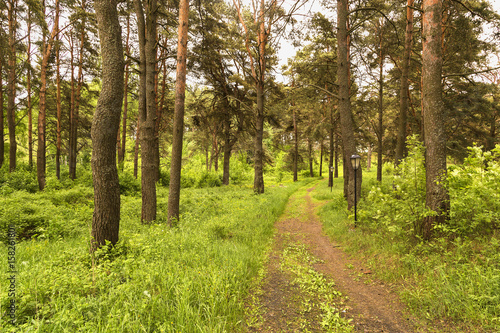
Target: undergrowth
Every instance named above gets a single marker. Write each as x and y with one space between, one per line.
453 281
192 278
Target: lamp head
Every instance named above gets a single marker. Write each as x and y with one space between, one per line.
355 161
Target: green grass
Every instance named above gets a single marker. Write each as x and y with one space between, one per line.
192 278
451 283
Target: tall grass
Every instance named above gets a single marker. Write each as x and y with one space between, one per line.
453 281
192 278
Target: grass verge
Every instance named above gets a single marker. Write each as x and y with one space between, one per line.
451 284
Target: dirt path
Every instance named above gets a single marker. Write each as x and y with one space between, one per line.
284 303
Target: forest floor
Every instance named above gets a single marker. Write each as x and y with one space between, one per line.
305 268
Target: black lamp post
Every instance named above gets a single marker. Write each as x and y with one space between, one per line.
331 178
355 161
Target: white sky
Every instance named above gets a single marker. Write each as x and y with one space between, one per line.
287 50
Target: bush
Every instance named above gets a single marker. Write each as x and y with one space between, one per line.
397 206
474 190
209 179
22 179
128 184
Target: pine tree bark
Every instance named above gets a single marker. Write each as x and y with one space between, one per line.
404 91
346 122
106 217
28 90
11 92
58 101
258 183
178 128
122 152
41 149
380 131
147 113
73 147
437 198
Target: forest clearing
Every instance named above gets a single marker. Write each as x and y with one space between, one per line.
259 166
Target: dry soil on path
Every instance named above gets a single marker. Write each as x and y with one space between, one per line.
277 303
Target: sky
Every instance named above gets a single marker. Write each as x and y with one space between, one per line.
287 50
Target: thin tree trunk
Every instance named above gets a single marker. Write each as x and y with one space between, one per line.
147 114
369 158
71 107
58 104
380 107
258 184
321 159
437 198
137 146
11 92
76 110
346 121
336 149
228 145
330 158
178 128
404 91
106 217
295 144
122 151
309 148
41 150
28 88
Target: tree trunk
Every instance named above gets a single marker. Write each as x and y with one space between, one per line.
346 122
225 163
295 144
228 145
41 156
147 114
71 109
121 152
321 159
309 148
437 198
258 183
106 217
178 128
73 147
369 158
330 158
11 92
380 107
404 92
30 106
58 104
136 149
336 150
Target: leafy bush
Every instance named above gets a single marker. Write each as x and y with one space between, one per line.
475 194
397 206
209 179
22 179
128 184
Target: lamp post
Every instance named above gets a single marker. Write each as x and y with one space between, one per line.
355 161
331 178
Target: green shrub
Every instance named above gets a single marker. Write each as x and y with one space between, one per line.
209 179
22 179
128 184
474 190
